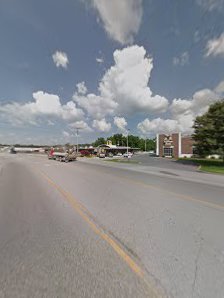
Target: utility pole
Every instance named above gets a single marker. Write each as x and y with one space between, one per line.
145 144
77 139
127 141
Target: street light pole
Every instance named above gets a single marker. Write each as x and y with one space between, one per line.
145 144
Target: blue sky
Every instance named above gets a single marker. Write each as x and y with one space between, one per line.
105 66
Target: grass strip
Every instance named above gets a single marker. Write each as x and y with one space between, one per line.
123 161
213 169
206 165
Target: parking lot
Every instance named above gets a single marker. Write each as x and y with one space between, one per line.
158 162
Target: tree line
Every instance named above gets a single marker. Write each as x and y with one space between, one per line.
133 142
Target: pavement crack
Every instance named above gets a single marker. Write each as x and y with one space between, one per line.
196 264
127 248
168 173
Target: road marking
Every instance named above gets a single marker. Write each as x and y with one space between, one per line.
176 194
86 216
181 196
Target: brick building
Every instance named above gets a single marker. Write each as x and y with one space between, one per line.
174 145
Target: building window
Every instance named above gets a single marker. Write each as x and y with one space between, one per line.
168 152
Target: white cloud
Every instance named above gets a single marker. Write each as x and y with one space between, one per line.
65 134
182 60
70 112
197 105
82 125
124 87
220 88
96 106
211 5
121 19
215 47
121 123
60 59
99 60
158 125
102 125
81 88
126 82
43 105
183 112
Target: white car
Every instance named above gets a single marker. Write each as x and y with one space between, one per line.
128 155
119 154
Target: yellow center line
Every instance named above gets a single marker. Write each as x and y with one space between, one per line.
176 194
181 196
86 216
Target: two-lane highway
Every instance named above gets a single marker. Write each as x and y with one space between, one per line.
86 230
48 250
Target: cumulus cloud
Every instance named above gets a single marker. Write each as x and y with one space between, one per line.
70 112
60 59
215 47
183 112
102 125
197 105
121 19
81 88
157 125
121 123
182 60
127 82
220 88
96 106
43 105
80 125
124 87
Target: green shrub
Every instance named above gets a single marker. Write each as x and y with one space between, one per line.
200 162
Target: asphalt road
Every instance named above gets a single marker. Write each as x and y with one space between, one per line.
84 229
162 163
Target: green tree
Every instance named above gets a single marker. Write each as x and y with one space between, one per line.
99 141
147 144
150 145
118 139
133 142
209 131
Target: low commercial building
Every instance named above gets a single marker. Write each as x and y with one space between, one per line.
109 148
174 145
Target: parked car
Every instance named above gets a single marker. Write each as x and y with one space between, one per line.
119 154
128 155
84 153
